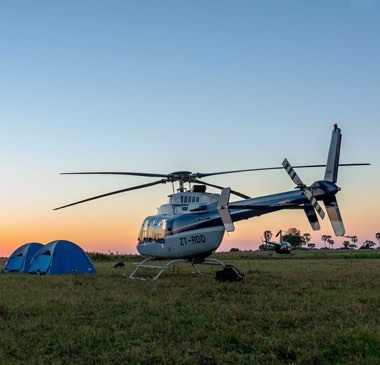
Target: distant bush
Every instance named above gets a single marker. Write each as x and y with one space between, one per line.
100 256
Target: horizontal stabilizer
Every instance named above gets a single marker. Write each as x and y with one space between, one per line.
333 212
312 217
224 211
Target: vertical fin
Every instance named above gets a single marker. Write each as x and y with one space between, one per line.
331 172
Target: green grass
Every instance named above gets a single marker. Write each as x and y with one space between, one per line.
318 307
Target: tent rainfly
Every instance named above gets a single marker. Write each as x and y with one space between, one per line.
21 258
61 257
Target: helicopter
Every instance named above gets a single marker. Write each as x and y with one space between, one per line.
282 247
191 226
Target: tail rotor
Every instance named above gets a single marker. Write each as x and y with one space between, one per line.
326 189
305 189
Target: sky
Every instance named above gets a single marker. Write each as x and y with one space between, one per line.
162 86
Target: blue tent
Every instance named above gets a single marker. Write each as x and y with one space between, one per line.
20 259
61 257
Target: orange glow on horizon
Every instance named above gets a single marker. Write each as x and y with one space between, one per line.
110 226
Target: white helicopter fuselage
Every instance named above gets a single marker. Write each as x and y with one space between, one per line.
191 244
181 228
190 225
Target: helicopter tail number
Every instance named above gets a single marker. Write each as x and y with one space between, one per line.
184 241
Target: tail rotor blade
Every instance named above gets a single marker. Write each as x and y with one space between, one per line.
312 217
314 202
293 175
296 179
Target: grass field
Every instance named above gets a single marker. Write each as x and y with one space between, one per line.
320 307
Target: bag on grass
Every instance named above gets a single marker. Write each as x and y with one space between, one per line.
229 273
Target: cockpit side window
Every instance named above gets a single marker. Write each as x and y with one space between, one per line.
144 231
153 229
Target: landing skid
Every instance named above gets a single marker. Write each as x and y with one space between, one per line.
149 263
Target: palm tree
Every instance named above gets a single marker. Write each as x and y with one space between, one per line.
354 239
346 244
378 237
267 236
307 238
325 239
331 242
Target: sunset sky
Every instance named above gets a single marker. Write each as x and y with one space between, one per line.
200 85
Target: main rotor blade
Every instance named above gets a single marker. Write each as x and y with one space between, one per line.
115 173
223 210
221 188
113 193
201 175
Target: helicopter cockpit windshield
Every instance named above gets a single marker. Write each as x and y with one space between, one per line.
153 229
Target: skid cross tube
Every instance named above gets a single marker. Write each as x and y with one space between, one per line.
149 263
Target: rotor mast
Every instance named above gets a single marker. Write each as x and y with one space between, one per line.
182 177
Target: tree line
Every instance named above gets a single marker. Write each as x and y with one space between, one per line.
297 240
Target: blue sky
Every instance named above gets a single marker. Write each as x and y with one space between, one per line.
161 86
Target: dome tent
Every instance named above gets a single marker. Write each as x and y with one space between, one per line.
21 258
61 257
